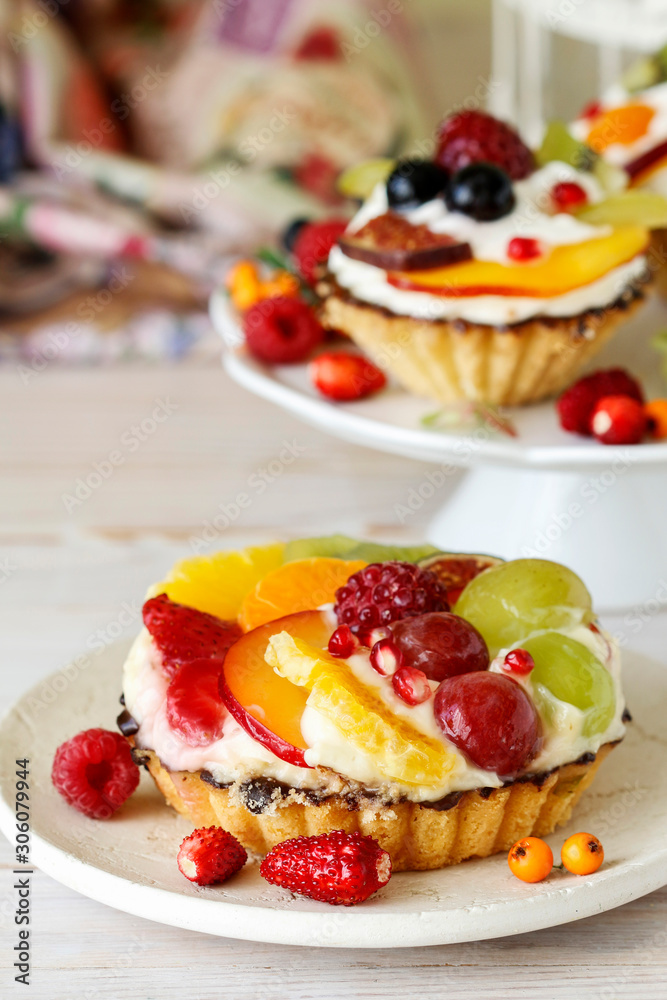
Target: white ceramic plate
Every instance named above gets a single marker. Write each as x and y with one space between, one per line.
129 861
390 421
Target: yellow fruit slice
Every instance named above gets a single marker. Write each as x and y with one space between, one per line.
302 585
359 180
622 125
400 751
218 583
566 268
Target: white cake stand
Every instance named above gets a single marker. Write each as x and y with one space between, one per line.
600 509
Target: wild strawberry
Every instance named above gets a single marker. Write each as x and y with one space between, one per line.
210 855
195 709
313 243
281 331
411 685
94 772
568 196
182 634
476 137
338 868
618 420
344 376
576 405
382 593
523 248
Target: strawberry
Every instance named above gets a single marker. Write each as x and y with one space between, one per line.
338 868
344 376
210 855
313 243
195 709
618 420
182 634
576 405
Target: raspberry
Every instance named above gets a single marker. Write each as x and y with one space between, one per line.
576 405
182 634
523 248
195 709
567 196
337 868
411 685
382 593
281 331
210 855
475 137
94 772
618 420
313 244
344 376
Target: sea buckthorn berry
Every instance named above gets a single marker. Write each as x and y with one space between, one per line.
582 854
656 418
386 657
243 285
411 685
518 661
530 859
568 196
343 642
523 248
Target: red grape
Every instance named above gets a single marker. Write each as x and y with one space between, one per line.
491 718
441 644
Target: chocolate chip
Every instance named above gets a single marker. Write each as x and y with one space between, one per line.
127 725
258 793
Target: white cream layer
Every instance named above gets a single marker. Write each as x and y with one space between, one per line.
489 241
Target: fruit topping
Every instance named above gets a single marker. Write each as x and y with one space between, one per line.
313 243
281 330
94 772
512 600
382 593
398 750
518 661
321 42
618 420
474 136
360 180
641 165
582 854
482 191
290 233
246 288
524 248
195 710
267 706
576 405
530 859
411 685
182 634
343 642
656 418
368 637
392 243
344 547
567 196
456 570
559 144
622 125
338 868
440 644
210 856
414 182
574 675
302 585
491 719
386 657
627 208
345 376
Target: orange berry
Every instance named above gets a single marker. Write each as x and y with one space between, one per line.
281 283
582 854
244 285
656 418
530 859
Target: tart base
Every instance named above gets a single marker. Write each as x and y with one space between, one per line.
451 360
418 837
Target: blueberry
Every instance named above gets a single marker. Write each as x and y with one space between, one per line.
413 182
288 238
482 191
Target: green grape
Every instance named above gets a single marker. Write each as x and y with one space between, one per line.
343 547
573 674
512 600
559 144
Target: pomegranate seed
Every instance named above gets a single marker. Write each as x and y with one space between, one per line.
343 642
567 196
523 248
411 685
591 110
386 657
518 661
373 635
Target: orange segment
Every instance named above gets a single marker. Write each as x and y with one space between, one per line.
302 585
622 125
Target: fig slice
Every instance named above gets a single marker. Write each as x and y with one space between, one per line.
391 242
455 570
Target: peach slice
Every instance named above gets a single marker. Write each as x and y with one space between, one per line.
267 706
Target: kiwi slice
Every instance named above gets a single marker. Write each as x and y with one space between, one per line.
628 208
559 144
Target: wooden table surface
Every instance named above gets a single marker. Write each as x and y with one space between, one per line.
181 444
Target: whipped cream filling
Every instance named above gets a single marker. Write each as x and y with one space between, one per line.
530 218
236 757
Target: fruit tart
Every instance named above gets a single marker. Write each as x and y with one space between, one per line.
446 705
475 276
